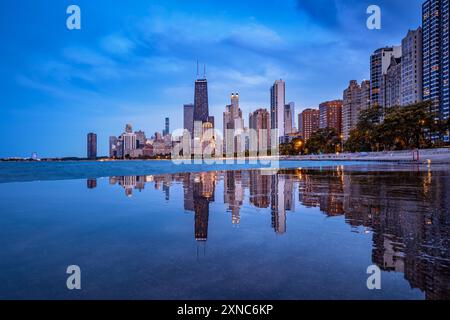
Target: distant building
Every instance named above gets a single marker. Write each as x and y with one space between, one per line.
128 128
412 68
140 139
393 83
331 115
259 120
113 147
289 118
356 99
277 105
436 68
309 122
92 146
380 61
129 144
166 130
188 118
233 127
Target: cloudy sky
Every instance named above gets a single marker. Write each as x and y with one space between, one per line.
135 61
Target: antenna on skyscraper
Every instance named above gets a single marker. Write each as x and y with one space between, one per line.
197 68
204 71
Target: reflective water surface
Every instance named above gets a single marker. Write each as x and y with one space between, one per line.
293 234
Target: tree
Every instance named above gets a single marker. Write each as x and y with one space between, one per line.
323 141
401 128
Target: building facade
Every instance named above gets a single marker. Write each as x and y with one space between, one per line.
435 25
380 61
393 83
412 69
356 99
331 115
309 122
259 121
277 103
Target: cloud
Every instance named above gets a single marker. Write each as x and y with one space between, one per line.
322 12
117 44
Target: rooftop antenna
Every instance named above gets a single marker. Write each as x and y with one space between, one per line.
197 68
204 71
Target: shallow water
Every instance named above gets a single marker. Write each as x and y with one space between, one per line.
307 233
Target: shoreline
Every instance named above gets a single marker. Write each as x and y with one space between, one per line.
424 156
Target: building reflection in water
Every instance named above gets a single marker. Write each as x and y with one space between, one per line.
91 183
407 212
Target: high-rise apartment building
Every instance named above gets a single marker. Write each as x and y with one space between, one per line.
309 122
412 69
259 120
436 42
331 115
289 118
356 99
393 83
129 143
92 146
380 61
277 103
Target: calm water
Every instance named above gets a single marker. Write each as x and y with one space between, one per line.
305 233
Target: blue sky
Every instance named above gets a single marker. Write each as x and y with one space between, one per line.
135 61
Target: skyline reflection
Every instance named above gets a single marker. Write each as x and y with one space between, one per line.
407 212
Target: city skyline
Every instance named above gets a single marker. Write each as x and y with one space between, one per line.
93 79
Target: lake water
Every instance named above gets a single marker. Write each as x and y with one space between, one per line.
145 230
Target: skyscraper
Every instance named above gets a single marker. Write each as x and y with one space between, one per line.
277 103
412 69
201 108
331 115
166 130
233 126
259 121
309 122
436 42
188 118
92 146
380 61
129 140
356 99
289 118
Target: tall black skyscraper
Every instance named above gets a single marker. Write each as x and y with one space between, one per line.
201 109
